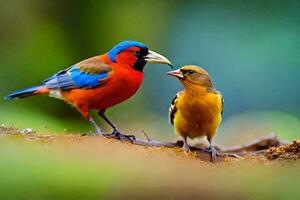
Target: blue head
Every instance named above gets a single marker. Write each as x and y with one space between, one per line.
122 46
135 54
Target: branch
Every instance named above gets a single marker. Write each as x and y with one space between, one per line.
257 147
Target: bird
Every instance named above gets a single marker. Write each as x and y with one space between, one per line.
197 110
99 82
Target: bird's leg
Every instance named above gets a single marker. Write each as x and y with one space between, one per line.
85 112
185 147
98 132
213 152
116 133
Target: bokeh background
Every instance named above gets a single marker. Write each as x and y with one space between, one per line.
250 48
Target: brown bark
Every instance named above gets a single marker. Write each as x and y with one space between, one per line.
257 147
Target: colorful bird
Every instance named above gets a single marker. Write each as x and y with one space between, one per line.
197 110
99 82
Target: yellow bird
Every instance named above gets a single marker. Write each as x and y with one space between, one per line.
197 110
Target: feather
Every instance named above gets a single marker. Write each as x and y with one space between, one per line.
86 74
22 93
173 108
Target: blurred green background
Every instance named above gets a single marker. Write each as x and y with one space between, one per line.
250 48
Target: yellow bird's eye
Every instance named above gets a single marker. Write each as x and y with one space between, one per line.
191 72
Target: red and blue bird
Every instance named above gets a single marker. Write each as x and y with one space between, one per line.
99 82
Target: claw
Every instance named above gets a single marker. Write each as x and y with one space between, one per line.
186 148
213 153
122 137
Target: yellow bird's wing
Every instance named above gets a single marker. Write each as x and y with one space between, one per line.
221 98
173 107
222 105
220 94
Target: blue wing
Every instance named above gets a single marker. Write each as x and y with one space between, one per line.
86 74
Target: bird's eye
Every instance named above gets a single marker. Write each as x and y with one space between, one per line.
137 53
191 72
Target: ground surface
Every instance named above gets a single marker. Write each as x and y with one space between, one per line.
82 167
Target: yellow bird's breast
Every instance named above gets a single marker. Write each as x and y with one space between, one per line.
198 115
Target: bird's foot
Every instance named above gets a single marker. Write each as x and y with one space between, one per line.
122 137
186 148
213 153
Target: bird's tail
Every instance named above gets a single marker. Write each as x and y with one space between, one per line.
27 92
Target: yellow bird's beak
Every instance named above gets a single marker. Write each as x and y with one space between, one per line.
177 73
154 57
